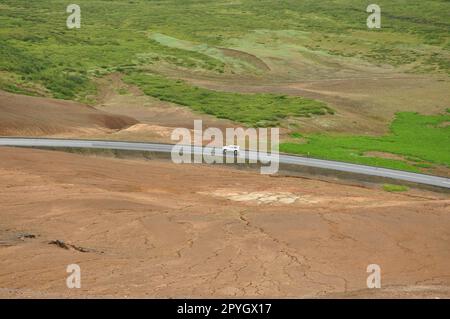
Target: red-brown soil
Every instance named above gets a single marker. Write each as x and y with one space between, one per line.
157 229
22 115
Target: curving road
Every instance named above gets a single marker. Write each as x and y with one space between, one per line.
284 159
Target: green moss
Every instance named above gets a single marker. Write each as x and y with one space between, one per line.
411 135
296 135
395 188
250 109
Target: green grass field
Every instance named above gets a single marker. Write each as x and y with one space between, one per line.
422 140
39 54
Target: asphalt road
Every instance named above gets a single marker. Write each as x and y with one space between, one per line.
284 159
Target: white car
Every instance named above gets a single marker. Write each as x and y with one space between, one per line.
231 148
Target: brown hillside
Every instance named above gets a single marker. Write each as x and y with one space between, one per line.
35 116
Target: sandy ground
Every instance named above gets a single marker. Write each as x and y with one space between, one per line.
156 229
22 115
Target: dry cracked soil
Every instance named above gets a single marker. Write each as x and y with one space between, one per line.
156 229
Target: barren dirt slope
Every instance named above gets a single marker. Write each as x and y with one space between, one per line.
22 115
156 229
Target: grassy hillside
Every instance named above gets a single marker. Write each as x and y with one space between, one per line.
38 54
251 109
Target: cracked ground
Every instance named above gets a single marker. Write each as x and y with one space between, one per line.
156 229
